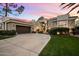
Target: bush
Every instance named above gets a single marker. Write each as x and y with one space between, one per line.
40 32
61 31
33 32
75 30
7 32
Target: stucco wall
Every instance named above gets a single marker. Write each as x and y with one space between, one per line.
52 25
62 23
2 26
11 26
71 24
63 17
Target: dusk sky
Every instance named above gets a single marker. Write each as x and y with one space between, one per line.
35 10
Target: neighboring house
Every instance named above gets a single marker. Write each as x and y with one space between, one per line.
62 21
21 26
43 24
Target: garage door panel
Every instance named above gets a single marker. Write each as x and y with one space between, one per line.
23 29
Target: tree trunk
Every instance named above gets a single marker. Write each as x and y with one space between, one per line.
6 6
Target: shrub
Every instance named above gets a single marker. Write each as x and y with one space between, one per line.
40 32
7 32
75 30
33 32
61 31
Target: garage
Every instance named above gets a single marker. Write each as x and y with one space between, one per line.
23 29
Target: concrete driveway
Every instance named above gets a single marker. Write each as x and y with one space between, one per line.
23 45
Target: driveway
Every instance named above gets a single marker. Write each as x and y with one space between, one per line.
23 45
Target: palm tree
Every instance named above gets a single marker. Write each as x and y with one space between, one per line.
70 5
10 8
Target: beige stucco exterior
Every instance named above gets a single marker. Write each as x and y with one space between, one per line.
59 21
62 21
10 24
40 25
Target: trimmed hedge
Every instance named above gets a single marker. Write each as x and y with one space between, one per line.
7 32
61 31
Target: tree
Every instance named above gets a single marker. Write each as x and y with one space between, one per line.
10 8
70 5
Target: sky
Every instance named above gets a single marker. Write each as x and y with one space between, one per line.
36 10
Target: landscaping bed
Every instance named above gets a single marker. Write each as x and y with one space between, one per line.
7 34
4 37
61 45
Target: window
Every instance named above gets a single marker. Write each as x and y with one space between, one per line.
63 23
0 26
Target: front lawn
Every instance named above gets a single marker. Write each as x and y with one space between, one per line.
61 46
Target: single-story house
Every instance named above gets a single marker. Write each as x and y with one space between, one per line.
21 26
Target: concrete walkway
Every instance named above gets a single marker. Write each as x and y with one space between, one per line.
23 45
76 35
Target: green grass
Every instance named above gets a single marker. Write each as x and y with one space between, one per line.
4 37
61 46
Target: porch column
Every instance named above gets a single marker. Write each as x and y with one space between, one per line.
45 27
70 31
46 24
5 26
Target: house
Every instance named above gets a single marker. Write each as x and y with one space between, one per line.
21 26
43 24
40 25
63 21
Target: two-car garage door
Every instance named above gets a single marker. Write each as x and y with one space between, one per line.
23 29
